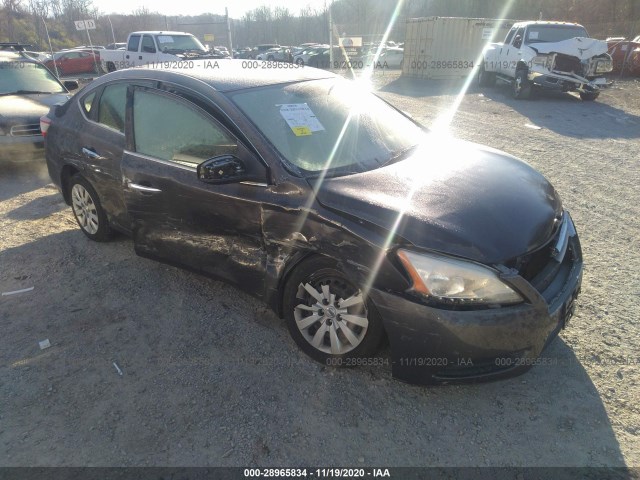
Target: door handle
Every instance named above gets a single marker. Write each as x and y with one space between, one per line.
90 153
142 188
127 57
140 57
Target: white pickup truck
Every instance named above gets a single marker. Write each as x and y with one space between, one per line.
550 55
156 48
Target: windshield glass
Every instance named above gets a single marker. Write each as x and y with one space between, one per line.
20 76
330 125
178 42
553 33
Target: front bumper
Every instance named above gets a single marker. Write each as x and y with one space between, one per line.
567 81
433 345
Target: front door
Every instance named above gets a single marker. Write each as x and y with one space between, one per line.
215 229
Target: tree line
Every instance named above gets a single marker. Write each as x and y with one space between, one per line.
25 20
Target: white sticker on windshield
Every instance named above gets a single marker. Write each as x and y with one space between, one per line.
533 35
300 119
164 39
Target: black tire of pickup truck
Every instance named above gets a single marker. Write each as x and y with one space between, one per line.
521 86
485 79
589 96
111 67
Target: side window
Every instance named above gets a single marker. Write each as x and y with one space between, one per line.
111 109
134 41
148 45
517 39
510 35
87 102
169 128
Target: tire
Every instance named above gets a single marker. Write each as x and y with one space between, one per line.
347 328
300 62
111 67
589 96
486 79
521 86
87 209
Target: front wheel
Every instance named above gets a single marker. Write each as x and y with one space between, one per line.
589 96
299 62
328 316
87 209
521 87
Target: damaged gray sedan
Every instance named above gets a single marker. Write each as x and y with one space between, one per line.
342 214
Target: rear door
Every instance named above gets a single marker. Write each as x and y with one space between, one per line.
215 229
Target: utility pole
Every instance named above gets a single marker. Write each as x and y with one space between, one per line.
331 34
230 43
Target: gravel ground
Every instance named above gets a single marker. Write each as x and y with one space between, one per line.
211 377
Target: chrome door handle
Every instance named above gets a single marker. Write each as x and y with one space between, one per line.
87 152
143 188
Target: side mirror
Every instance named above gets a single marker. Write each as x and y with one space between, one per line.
222 169
71 85
517 41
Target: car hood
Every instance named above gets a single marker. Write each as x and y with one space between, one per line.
26 109
581 47
453 197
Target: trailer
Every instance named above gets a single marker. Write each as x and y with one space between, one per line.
448 47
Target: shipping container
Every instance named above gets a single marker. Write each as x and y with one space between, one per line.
448 47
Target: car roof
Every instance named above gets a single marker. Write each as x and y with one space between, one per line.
230 74
546 22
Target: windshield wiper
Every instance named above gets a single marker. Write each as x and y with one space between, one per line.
399 155
25 92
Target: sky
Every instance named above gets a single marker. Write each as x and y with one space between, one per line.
237 8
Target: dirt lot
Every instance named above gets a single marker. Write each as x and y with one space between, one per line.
211 377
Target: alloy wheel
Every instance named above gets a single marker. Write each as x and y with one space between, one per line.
332 316
85 209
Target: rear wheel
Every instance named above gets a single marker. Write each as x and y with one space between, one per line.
521 87
111 67
328 316
299 62
87 209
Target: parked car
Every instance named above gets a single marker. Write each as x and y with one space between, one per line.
27 91
116 46
392 58
302 58
258 49
625 55
548 55
73 62
155 48
281 54
341 213
340 60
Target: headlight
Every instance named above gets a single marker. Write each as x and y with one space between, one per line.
544 61
604 66
444 278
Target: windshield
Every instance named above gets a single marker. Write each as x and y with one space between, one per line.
553 33
168 43
27 77
330 125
